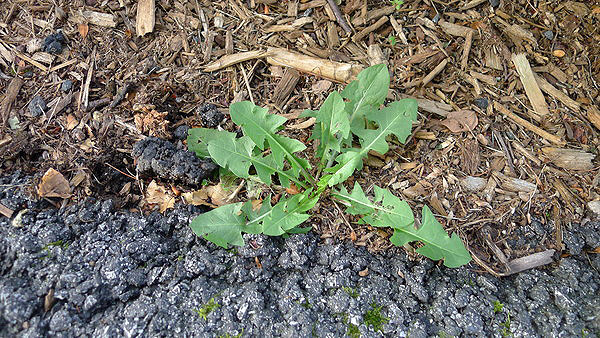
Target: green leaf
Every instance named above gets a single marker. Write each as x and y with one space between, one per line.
238 154
222 226
331 125
387 210
198 138
367 92
438 245
284 216
395 119
233 154
260 126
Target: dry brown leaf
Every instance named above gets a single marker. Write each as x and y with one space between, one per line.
155 194
292 190
321 86
211 195
364 273
54 184
152 123
460 120
197 197
83 29
303 125
72 122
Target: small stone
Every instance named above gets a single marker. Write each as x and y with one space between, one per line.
54 47
66 85
53 43
436 18
181 132
548 35
471 183
481 102
494 3
210 115
594 207
28 74
37 106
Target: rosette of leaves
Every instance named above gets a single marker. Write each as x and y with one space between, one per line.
348 125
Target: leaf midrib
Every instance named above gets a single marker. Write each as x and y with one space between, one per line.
253 160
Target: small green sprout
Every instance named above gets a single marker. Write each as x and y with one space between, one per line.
392 40
498 306
227 335
374 317
398 4
506 332
207 308
352 292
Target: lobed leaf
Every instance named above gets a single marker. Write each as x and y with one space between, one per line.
437 243
222 226
261 127
284 216
367 92
395 119
387 210
198 138
331 125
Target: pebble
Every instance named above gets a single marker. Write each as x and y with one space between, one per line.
37 106
210 115
54 43
494 3
481 102
471 183
181 132
548 35
594 207
66 85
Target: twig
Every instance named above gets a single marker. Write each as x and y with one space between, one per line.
124 173
544 134
343 217
236 191
86 87
247 83
120 95
97 103
339 16
438 69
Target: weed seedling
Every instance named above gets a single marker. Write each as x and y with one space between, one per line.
348 126
392 40
352 292
374 317
506 332
398 4
207 308
227 335
498 306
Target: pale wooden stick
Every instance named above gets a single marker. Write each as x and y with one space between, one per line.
466 50
557 94
524 123
531 87
438 69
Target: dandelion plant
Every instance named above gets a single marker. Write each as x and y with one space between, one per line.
347 126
